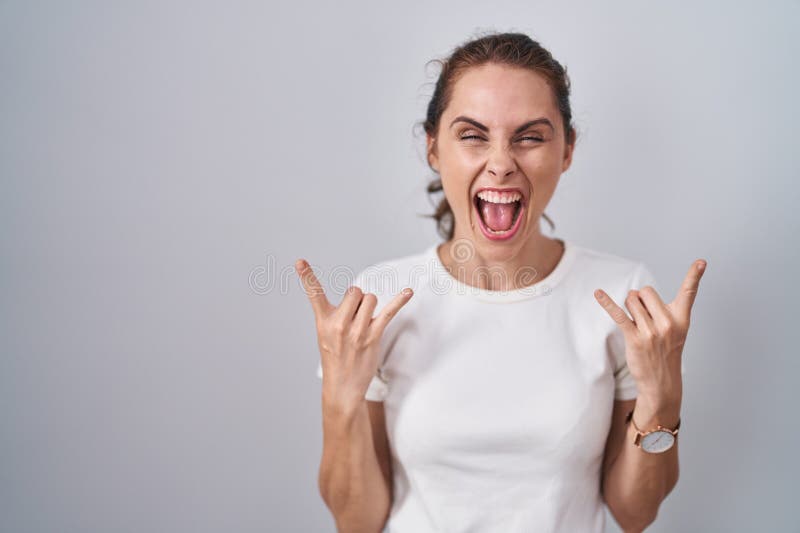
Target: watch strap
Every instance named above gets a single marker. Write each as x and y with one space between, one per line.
659 427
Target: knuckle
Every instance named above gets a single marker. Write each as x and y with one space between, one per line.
355 290
371 339
361 344
354 336
313 290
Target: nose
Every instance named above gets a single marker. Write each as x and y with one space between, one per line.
500 163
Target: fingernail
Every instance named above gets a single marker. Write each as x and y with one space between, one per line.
406 291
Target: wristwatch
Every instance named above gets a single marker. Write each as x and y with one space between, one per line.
656 440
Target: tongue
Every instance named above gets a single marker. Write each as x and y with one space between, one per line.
498 217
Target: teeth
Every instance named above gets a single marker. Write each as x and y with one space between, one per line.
499 198
498 232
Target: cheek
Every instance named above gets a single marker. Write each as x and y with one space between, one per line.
543 176
542 163
457 193
463 163
457 173
542 170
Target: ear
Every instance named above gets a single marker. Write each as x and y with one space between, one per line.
568 149
433 159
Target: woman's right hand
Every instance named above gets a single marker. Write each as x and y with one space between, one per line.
348 337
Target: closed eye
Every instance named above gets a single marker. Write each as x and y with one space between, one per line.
537 139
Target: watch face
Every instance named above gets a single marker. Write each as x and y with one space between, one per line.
657 441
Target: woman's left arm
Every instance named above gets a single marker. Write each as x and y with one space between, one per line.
635 482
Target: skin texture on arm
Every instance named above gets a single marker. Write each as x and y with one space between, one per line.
634 480
352 480
380 440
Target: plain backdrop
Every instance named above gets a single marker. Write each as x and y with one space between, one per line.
163 164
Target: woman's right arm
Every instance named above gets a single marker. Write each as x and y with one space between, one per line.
353 480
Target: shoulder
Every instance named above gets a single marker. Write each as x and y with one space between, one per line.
608 269
607 262
389 276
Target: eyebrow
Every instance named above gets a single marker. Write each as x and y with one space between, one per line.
541 120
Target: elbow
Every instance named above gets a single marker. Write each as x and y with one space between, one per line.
630 523
671 483
353 517
634 514
635 520
639 526
631 517
322 485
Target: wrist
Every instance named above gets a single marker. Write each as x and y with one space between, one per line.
648 415
338 408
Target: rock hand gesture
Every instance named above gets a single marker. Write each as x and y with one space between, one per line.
348 337
654 339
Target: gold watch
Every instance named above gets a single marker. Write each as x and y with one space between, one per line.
656 440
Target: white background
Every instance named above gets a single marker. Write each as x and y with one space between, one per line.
153 155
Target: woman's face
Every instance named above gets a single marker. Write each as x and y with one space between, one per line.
502 131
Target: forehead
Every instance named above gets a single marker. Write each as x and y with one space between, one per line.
502 96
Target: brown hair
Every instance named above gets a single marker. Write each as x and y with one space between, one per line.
512 49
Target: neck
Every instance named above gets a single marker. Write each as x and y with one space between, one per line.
500 267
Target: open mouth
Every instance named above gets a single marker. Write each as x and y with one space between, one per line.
499 212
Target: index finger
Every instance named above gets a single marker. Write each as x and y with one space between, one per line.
391 309
616 313
312 287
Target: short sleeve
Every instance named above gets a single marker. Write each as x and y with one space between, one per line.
624 383
378 387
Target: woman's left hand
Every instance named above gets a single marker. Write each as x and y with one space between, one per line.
654 339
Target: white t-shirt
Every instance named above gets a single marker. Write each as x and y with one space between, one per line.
498 403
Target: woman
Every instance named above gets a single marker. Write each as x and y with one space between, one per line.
511 393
